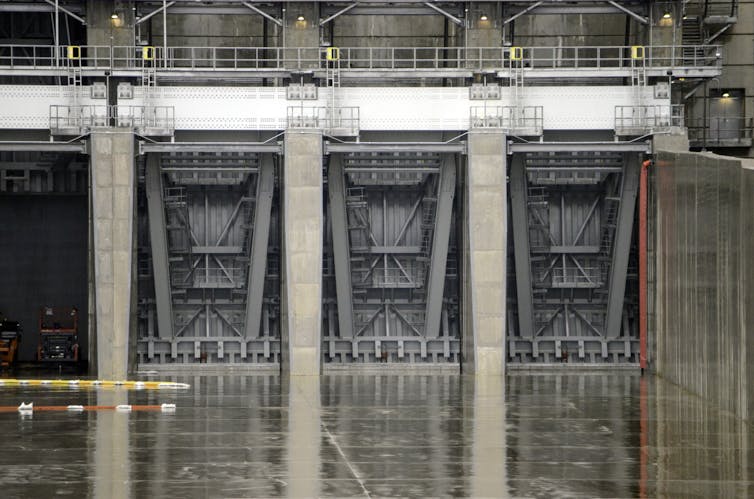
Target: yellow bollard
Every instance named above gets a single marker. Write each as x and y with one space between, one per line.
147 53
73 52
333 53
637 52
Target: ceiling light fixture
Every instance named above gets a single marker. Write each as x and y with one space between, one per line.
483 17
113 16
726 95
300 18
666 15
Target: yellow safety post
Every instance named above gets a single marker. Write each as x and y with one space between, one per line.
637 52
333 53
73 51
517 53
147 53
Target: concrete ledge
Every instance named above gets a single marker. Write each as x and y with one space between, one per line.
144 369
550 367
391 368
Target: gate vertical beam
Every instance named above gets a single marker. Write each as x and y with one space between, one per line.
439 259
622 246
336 186
259 241
158 239
521 251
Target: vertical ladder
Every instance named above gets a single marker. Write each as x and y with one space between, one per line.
179 238
609 226
75 79
149 84
333 82
357 216
516 80
638 78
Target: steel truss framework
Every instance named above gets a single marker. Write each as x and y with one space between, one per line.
392 262
572 219
213 232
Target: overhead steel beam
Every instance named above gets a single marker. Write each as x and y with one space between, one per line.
439 256
263 13
187 147
630 12
441 147
154 12
30 7
336 188
514 147
158 240
259 242
391 10
523 12
65 11
40 146
339 13
521 254
622 246
445 13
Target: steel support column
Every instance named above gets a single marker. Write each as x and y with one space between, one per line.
439 259
341 251
259 241
622 246
518 183
158 239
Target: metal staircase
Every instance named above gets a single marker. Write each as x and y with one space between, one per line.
357 213
179 239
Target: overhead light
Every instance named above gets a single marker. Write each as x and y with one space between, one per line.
300 18
666 15
685 16
726 95
681 79
113 16
483 17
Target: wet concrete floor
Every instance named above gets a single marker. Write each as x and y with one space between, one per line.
530 435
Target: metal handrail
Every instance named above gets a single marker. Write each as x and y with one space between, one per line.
631 119
338 118
528 119
720 129
359 58
91 116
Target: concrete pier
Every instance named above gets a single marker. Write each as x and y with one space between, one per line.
484 254
113 185
302 252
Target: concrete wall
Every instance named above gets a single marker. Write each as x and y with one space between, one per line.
102 30
43 240
738 70
391 31
705 318
193 30
574 29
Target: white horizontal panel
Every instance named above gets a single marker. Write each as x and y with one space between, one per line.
393 108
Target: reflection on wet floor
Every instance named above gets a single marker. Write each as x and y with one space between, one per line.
530 435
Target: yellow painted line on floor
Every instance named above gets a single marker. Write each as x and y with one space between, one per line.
89 383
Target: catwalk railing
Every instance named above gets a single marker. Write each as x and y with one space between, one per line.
720 131
80 119
99 57
638 120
